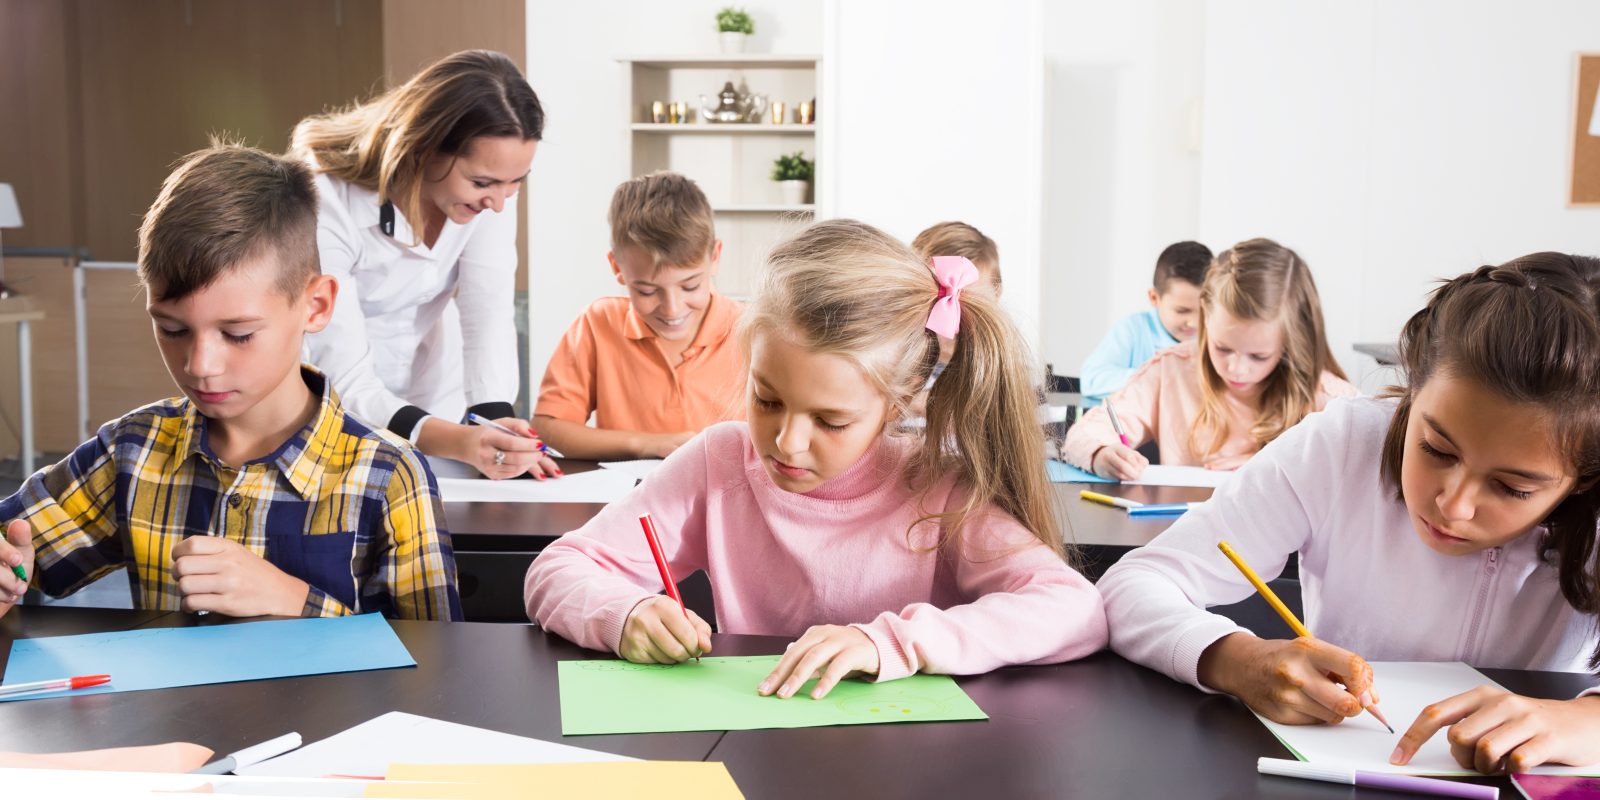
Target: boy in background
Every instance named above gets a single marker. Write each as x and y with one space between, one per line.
1173 317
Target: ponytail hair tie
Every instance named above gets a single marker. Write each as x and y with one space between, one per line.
953 273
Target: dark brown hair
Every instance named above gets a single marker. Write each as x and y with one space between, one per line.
1260 279
1184 261
221 207
1527 330
383 145
961 239
666 215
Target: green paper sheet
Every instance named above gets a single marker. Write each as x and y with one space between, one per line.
719 694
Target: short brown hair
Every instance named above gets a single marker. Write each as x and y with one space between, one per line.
1528 330
1184 261
223 206
960 239
664 214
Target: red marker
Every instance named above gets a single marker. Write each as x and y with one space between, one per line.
649 526
80 682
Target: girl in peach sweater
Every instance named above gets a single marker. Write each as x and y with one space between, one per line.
1260 364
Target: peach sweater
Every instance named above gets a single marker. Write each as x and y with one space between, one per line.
1160 404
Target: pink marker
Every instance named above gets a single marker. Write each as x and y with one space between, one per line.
1117 424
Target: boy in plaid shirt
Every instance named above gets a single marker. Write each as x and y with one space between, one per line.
254 493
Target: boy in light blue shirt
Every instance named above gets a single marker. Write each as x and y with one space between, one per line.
1172 317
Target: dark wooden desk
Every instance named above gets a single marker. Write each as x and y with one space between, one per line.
1100 727
494 676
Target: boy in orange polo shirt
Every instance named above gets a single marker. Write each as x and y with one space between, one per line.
657 366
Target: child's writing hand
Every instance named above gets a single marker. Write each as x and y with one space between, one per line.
518 454
830 653
657 632
1118 461
15 550
221 575
1493 730
1295 682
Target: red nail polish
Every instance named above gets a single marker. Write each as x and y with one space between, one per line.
539 477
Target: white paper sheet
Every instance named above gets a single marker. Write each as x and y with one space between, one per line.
23 782
595 486
640 469
1166 475
1404 689
397 737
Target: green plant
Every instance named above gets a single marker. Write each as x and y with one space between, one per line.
795 167
735 20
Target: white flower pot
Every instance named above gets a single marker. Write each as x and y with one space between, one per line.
733 42
794 192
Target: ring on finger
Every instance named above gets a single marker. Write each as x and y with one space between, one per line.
499 457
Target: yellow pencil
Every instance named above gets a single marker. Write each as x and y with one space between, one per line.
1119 502
1283 611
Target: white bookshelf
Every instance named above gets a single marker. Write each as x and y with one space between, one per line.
732 162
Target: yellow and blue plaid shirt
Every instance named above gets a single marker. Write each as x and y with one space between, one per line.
349 509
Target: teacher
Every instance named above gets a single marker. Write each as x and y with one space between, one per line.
418 223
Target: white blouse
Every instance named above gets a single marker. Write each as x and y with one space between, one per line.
397 347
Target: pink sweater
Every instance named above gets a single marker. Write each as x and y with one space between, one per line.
780 562
1161 402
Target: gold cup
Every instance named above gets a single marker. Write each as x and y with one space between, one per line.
778 115
658 112
806 112
673 115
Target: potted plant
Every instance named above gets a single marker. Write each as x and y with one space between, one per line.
735 26
793 174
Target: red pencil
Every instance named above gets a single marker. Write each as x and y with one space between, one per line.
649 526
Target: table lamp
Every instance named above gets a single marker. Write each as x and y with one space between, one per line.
10 217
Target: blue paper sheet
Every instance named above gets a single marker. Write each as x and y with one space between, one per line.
1062 472
161 658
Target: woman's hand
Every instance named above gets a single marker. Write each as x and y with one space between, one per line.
500 455
1118 462
1296 682
1493 731
830 653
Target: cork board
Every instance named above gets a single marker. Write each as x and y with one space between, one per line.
1586 133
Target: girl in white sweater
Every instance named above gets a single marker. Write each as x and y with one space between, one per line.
1453 520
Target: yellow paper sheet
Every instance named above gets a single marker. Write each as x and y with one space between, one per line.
169 757
657 780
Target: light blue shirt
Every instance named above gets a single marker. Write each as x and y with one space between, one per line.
1130 343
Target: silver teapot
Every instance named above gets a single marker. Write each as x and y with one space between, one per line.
730 106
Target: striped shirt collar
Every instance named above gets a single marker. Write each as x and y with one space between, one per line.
300 459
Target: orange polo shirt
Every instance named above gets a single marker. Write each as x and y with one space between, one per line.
609 363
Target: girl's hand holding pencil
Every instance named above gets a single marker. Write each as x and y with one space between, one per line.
1303 681
659 631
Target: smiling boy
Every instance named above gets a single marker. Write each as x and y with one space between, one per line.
657 366
254 493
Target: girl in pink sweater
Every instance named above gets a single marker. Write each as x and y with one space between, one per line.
885 555
1454 521
1259 365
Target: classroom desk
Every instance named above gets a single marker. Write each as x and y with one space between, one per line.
490 675
1100 727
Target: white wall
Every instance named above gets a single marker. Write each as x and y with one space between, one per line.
933 112
572 52
1393 143
1121 161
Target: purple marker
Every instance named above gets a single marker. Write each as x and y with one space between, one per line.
1375 780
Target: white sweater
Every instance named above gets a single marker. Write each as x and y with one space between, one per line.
1369 583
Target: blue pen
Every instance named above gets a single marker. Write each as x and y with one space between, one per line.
1166 509
478 419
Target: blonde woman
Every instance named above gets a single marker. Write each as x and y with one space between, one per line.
418 222
1259 365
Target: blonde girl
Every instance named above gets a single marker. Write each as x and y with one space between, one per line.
418 223
882 554
1259 365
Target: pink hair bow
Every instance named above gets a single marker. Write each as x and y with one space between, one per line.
953 273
